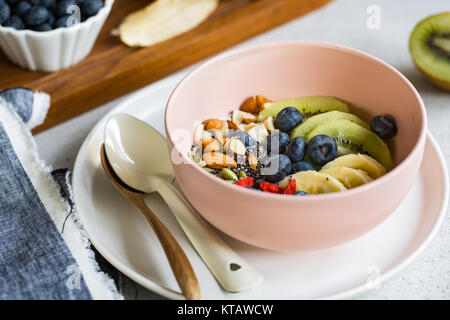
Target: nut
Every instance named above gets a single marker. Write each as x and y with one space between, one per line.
252 161
198 135
250 105
268 122
259 132
213 146
232 125
250 125
224 128
212 124
235 146
239 116
217 134
261 102
218 160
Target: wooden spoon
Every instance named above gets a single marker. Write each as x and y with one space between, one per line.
178 260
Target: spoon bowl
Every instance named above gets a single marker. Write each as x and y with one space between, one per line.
137 153
139 156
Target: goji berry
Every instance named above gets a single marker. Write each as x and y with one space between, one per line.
245 182
270 187
291 187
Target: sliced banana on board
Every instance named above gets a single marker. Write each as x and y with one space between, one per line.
164 19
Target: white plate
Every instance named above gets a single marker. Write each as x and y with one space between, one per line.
122 235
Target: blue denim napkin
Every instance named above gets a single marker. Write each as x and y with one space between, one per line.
44 253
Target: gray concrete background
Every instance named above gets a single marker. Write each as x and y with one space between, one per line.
342 22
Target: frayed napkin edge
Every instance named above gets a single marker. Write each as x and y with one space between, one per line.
100 285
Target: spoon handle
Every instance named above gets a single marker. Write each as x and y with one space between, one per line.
230 270
179 263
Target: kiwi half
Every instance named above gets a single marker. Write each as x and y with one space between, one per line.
308 106
429 45
357 138
309 124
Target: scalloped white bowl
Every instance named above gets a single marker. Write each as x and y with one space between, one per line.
53 50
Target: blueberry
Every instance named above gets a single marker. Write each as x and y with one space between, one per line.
51 19
61 7
33 2
14 22
42 27
35 16
21 7
302 166
49 4
90 8
384 126
276 168
5 12
296 149
243 136
322 149
61 22
277 142
287 119
301 193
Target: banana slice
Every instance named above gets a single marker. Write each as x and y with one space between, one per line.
358 161
314 182
164 19
349 177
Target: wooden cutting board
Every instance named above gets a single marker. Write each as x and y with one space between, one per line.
113 69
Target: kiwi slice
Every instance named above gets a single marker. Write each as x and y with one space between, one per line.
356 138
429 44
303 129
344 150
308 106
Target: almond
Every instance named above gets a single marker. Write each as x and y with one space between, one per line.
250 105
217 134
261 102
235 146
213 146
268 122
207 142
212 124
252 161
218 160
232 125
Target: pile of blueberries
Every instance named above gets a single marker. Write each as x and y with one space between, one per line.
288 156
46 15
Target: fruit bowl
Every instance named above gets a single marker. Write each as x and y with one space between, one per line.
56 49
283 70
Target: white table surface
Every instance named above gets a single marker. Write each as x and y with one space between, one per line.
342 22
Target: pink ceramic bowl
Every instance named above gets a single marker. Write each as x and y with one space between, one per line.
282 70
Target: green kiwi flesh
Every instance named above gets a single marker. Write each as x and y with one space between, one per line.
308 106
429 45
357 138
309 124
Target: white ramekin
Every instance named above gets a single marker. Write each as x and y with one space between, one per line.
56 49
